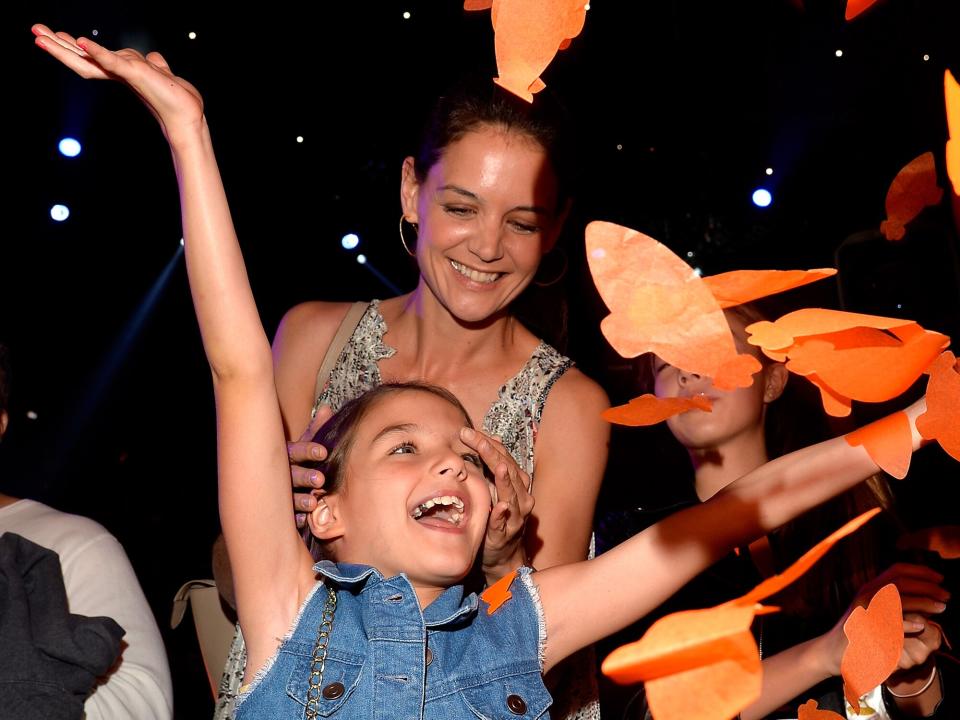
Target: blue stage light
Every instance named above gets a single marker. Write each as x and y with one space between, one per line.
762 197
59 212
362 259
350 241
69 147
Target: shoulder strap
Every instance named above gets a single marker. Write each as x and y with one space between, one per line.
344 332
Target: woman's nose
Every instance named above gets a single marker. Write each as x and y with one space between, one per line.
485 244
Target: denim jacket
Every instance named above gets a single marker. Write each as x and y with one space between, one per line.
388 659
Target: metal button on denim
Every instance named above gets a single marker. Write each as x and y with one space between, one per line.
516 704
333 691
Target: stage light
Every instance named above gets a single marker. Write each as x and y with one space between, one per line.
69 147
689 253
181 242
406 14
31 415
769 171
95 32
839 53
350 241
698 272
192 35
762 197
619 146
926 58
362 259
59 212
299 138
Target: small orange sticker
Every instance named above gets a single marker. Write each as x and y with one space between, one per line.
498 593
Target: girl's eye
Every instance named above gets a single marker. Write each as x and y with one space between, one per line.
406 448
473 460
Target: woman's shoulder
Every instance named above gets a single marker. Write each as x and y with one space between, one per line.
309 328
575 394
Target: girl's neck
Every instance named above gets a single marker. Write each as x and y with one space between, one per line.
715 468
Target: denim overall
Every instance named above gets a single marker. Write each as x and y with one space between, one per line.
387 659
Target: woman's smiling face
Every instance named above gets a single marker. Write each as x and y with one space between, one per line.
487 213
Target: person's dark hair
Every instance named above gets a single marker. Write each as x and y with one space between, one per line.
4 378
476 102
338 433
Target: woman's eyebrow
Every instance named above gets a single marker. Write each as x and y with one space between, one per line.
536 209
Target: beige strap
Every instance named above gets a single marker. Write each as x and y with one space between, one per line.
344 333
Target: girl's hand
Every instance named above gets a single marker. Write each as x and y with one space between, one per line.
173 101
921 596
503 549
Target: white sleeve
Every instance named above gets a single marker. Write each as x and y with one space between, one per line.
100 581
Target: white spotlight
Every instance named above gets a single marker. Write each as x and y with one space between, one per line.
762 197
769 171
406 15
689 253
926 58
69 147
350 241
31 415
192 35
95 32
181 242
299 138
362 259
839 53
59 212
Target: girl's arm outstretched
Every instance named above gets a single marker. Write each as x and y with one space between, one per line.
270 564
588 601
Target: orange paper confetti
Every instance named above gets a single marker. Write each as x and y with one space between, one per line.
855 7
704 664
951 96
943 540
875 637
940 421
649 409
913 189
498 593
811 711
527 36
658 304
743 286
888 442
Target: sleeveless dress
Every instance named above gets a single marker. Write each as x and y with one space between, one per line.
514 417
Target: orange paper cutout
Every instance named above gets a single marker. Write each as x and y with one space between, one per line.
498 593
704 664
940 421
810 711
943 540
872 373
888 442
527 36
743 286
875 637
782 333
855 7
913 189
951 96
649 409
658 304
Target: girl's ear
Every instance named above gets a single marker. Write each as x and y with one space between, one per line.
409 191
775 378
325 521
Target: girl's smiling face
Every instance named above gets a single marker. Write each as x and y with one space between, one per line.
415 499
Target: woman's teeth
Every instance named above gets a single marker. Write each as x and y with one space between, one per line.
475 275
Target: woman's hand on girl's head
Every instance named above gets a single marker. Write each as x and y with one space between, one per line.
307 480
173 101
503 548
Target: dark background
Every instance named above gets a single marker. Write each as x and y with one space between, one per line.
680 106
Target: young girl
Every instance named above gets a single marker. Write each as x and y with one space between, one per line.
362 626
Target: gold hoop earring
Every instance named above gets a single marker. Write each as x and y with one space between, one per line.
562 254
403 239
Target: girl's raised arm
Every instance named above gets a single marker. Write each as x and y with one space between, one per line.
270 564
590 600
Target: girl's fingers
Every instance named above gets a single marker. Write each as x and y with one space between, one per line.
922 604
158 60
